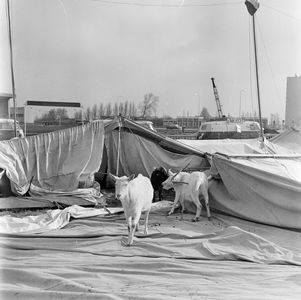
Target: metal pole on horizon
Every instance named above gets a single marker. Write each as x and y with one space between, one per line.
119 143
11 65
240 104
118 107
252 6
198 109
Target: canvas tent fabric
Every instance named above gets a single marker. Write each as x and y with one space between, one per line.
66 160
227 146
58 161
51 220
245 146
261 184
141 150
236 255
127 125
264 190
291 139
225 258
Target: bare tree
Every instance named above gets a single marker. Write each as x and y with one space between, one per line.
88 113
109 109
115 109
78 114
101 110
94 115
126 108
121 108
148 105
132 110
62 113
205 113
51 115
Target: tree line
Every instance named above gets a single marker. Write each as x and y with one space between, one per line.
144 110
99 111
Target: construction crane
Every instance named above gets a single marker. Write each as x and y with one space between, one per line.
218 104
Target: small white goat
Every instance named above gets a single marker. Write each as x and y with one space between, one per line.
136 196
188 187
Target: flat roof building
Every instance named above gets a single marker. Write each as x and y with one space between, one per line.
293 101
4 110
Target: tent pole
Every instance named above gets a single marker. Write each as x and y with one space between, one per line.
82 114
11 66
25 131
257 80
118 146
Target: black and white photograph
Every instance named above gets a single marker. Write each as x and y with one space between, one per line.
150 149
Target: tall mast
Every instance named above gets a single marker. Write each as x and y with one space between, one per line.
11 64
252 6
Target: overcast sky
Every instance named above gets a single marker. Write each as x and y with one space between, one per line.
94 51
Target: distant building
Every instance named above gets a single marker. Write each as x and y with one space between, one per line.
190 121
4 98
169 121
19 113
264 120
184 121
293 101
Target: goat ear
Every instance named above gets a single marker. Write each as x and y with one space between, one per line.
131 177
113 177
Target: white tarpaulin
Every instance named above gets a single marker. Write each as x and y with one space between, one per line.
140 150
225 258
52 220
260 189
291 139
58 161
228 146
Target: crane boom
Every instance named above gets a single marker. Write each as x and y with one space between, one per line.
218 104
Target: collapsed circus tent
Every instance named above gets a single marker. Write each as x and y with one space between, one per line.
68 161
129 148
61 162
250 182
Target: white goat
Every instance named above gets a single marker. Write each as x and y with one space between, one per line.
136 197
188 187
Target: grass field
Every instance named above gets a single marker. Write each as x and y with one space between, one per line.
34 129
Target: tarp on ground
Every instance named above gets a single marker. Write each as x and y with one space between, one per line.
225 258
60 161
51 220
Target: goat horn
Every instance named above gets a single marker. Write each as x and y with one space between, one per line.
173 176
179 172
